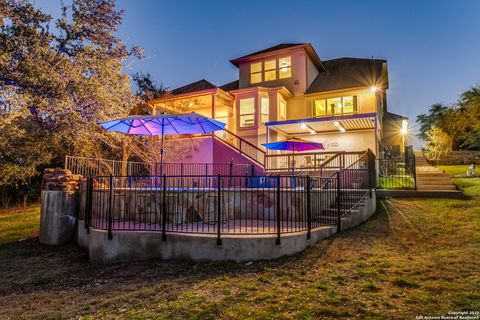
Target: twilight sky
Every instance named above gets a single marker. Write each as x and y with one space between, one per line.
432 46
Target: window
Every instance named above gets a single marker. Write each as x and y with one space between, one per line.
285 65
270 67
265 109
335 106
320 108
282 110
256 72
247 113
222 133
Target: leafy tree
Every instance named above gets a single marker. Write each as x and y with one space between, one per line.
57 82
439 142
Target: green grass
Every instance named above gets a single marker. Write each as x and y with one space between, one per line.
414 257
454 170
403 182
17 225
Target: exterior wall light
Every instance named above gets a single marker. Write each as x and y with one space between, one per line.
303 126
374 88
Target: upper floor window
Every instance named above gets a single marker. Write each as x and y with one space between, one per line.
335 106
270 70
256 72
285 67
265 109
282 110
247 113
270 67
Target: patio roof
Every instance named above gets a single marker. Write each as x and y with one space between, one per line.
327 124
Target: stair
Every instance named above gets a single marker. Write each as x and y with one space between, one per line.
430 178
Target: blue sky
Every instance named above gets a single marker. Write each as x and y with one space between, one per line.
432 46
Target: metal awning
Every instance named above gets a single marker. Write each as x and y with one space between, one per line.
354 122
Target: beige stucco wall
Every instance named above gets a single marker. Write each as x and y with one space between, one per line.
345 141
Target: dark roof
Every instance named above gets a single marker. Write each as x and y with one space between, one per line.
392 115
194 86
307 46
344 73
234 85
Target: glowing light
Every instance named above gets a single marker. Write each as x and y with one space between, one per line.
190 104
404 129
373 88
303 126
312 132
339 126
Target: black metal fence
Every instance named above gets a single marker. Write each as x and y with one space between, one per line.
226 204
397 173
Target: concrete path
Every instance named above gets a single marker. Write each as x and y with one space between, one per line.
430 178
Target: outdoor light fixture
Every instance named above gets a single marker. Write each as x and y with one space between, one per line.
404 129
339 126
373 88
312 131
303 126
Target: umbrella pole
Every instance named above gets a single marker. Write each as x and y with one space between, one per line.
161 148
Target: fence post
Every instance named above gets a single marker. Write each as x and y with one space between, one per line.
339 217
110 205
309 208
414 171
88 204
278 210
230 173
219 212
164 208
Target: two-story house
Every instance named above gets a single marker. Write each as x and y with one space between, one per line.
288 91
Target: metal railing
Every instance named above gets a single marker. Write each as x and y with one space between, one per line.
225 205
397 173
243 146
314 163
103 167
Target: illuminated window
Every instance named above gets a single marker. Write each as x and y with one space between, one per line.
270 67
247 112
320 108
282 110
256 72
285 65
264 106
348 104
335 106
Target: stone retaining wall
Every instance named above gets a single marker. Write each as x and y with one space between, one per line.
455 157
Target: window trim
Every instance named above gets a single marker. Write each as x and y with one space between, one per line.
279 110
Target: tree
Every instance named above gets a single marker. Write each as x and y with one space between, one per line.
439 142
57 83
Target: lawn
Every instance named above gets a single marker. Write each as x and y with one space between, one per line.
414 257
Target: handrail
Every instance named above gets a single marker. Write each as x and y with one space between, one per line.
242 141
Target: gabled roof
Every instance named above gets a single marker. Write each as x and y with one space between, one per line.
282 47
234 85
345 73
194 86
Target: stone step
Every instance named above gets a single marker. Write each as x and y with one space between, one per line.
433 182
331 211
435 187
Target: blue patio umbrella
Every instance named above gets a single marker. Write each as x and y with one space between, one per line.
163 124
294 144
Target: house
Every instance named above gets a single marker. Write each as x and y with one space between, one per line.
288 91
